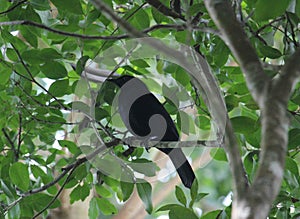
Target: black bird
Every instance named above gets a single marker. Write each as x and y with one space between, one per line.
146 118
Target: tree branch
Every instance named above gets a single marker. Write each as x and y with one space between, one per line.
13 7
164 9
241 182
237 40
275 138
177 27
284 85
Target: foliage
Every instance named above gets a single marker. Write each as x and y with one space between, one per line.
45 45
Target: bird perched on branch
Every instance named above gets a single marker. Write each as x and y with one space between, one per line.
146 118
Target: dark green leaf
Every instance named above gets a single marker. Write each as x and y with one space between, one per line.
180 212
49 54
294 138
69 6
168 207
211 215
19 175
145 193
102 191
127 185
218 154
70 145
270 52
39 201
297 8
140 20
54 70
194 193
60 88
80 65
29 36
79 193
41 5
200 196
93 209
244 125
292 166
144 166
106 207
263 7
140 63
180 195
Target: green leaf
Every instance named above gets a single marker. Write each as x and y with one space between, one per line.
80 173
127 185
270 9
211 215
71 6
200 196
140 63
144 166
158 17
29 36
294 138
269 52
60 88
8 190
79 193
297 8
194 193
244 125
33 56
180 195
218 154
5 75
80 65
93 209
19 175
41 5
292 166
102 191
145 193
39 201
180 212
101 113
106 207
49 54
239 89
72 147
168 207
38 172
183 122
220 53
140 20
178 73
54 70
249 163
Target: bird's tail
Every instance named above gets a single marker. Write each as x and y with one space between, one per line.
182 166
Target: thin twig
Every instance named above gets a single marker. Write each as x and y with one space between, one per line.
13 7
33 79
177 27
10 142
57 194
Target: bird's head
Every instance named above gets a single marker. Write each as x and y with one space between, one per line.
120 81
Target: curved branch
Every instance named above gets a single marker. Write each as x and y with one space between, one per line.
284 85
13 7
177 27
238 42
275 139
